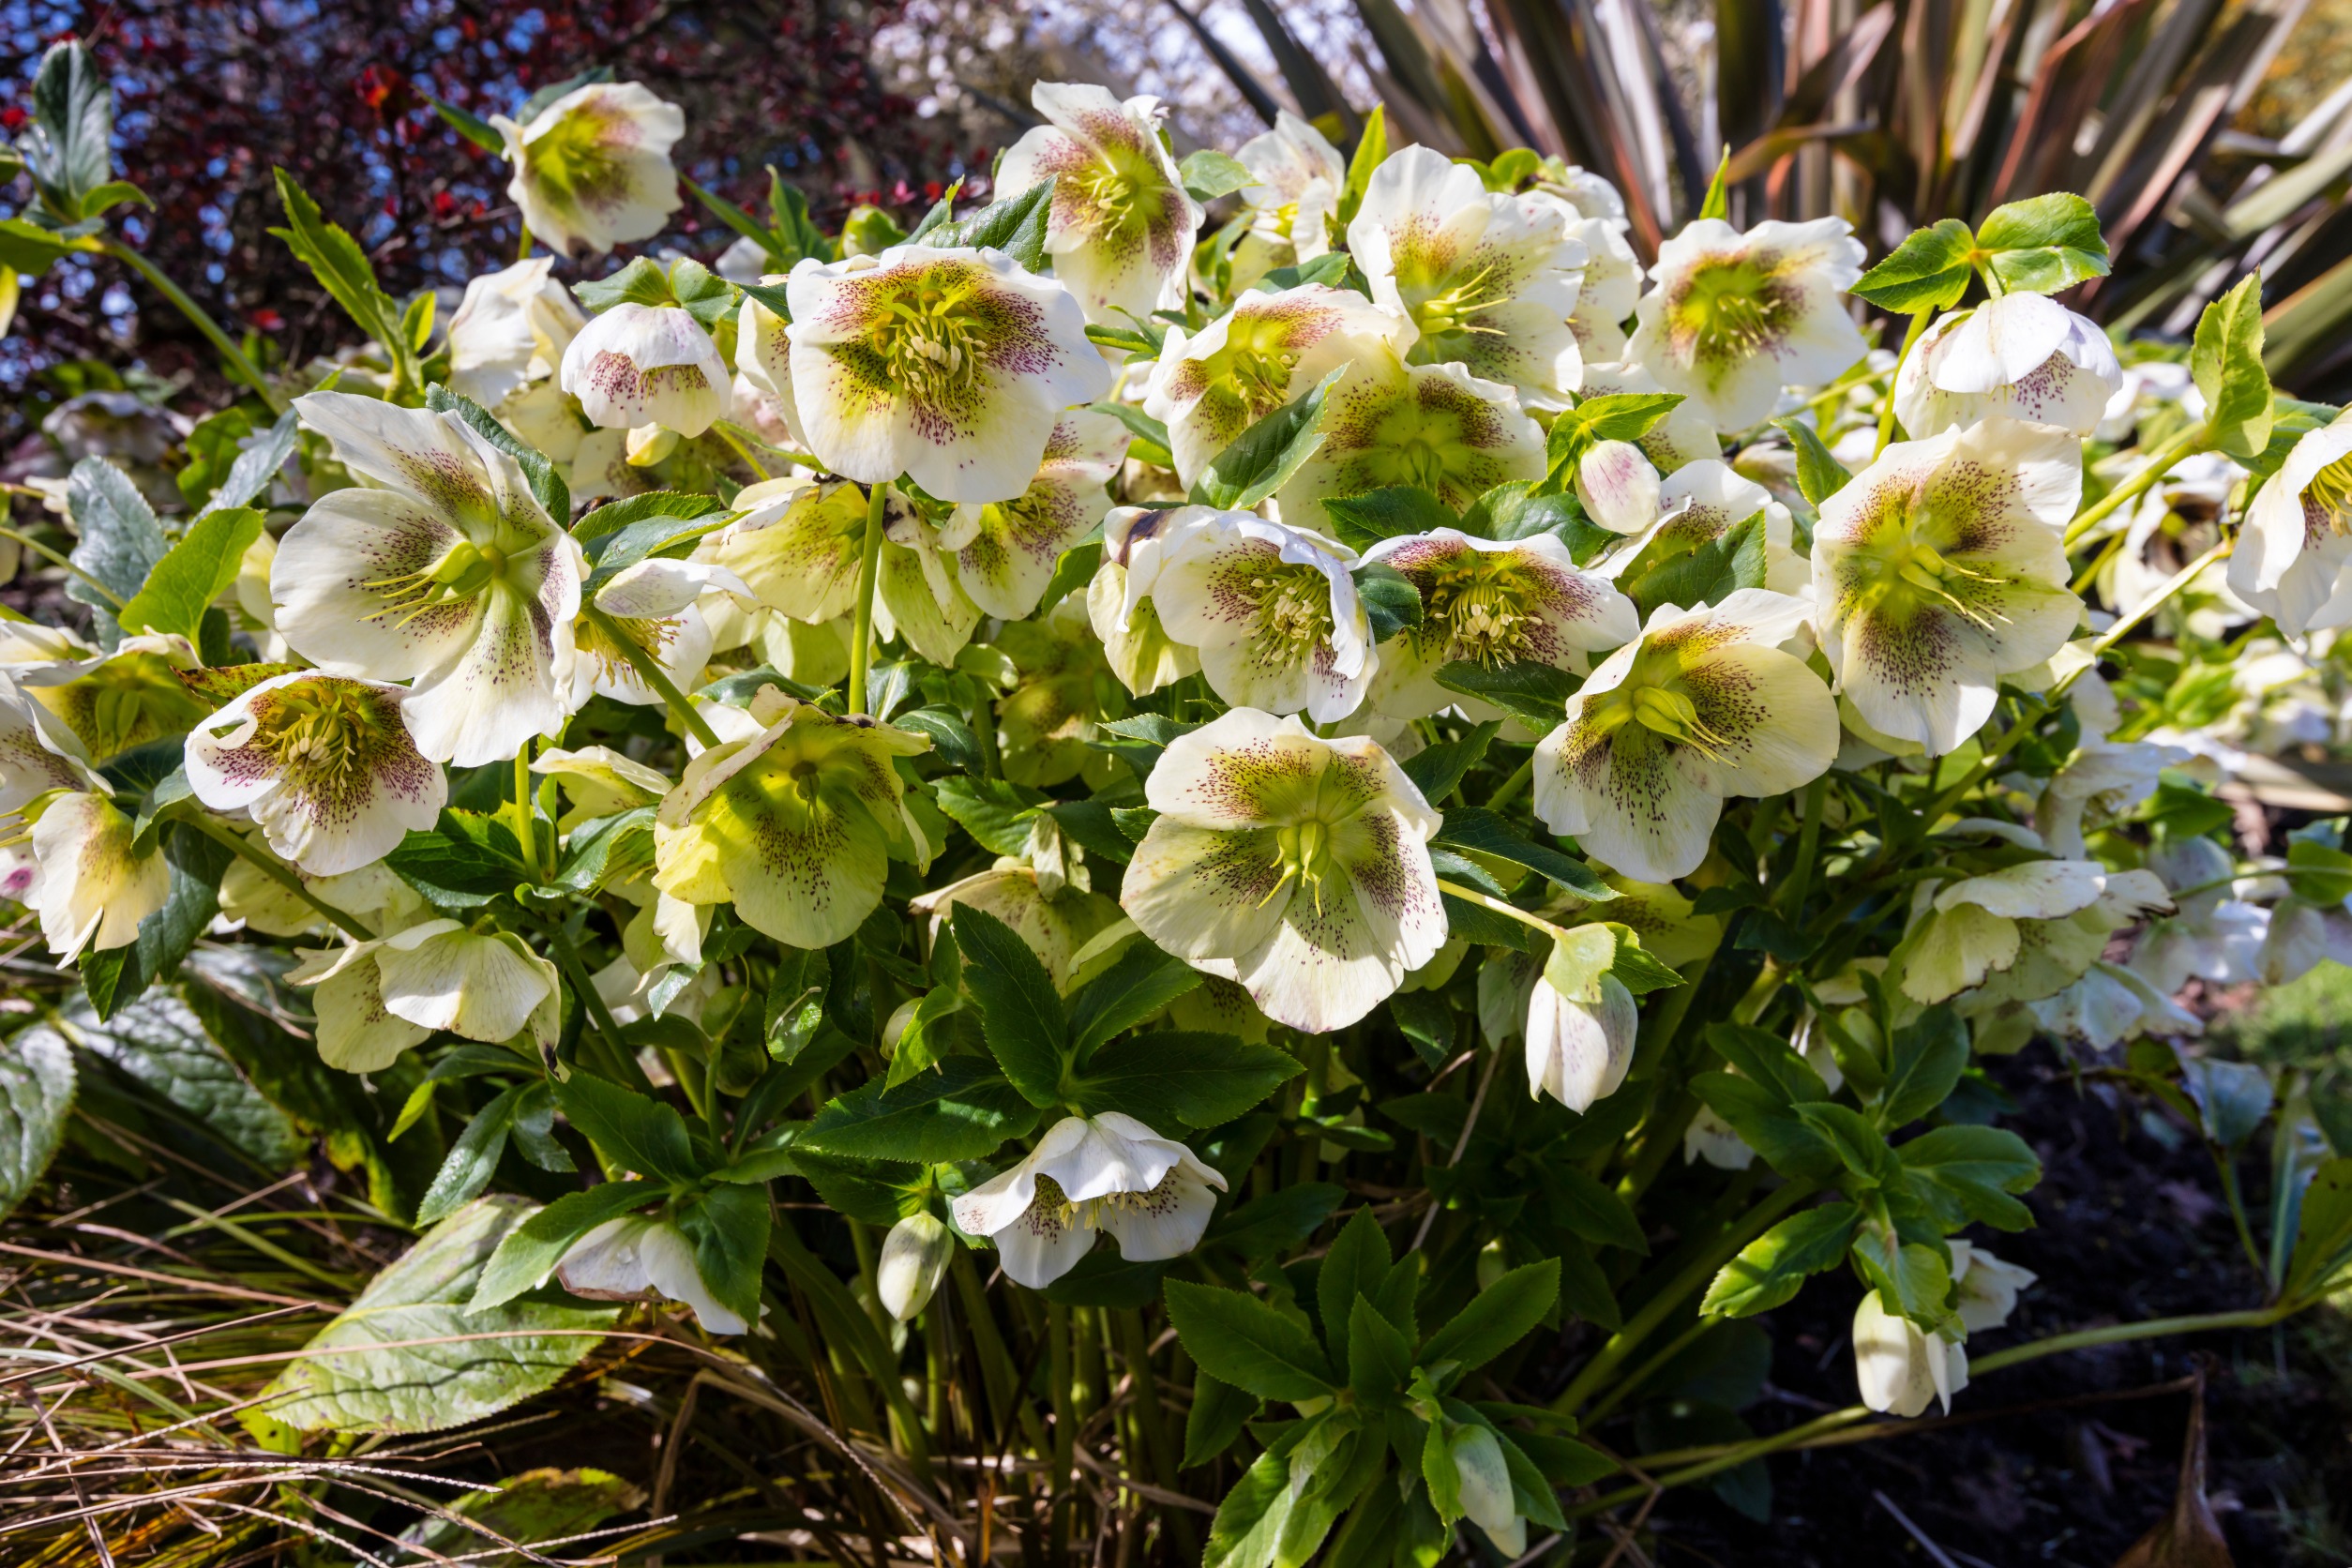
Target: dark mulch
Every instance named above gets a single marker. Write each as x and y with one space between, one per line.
2131 1227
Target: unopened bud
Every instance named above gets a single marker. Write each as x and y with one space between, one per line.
914 1257
1617 486
650 444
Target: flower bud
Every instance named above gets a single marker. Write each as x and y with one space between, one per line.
1617 486
1902 1368
914 1256
649 443
1484 1480
647 365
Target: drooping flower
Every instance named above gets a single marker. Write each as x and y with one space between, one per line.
1005 551
1490 279
1702 501
2102 779
1702 706
1495 603
2021 356
795 547
1057 922
2019 920
1618 487
1435 426
1209 387
38 752
378 999
450 574
373 894
93 885
919 596
794 825
2294 557
2108 1005
1481 1477
323 764
1066 685
1902 1368
647 365
1300 176
111 702
950 367
1136 647
1108 1172
2214 935
763 357
1271 610
592 170
601 782
639 1255
1296 865
654 604
1122 227
1984 1287
914 1259
1938 568
1580 1026
1735 317
511 328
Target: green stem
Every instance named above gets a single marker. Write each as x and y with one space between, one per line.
862 631
1633 1380
2147 607
526 831
1886 407
523 247
1508 790
2148 472
244 369
1512 912
727 434
268 866
649 669
624 1065
1808 846
57 560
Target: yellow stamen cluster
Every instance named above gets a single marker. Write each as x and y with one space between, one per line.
465 569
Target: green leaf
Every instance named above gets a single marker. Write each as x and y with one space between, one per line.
1964 1173
995 813
1771 1269
964 1110
528 1252
1380 1359
1016 225
342 268
643 1134
1765 1123
622 532
535 1506
608 850
2231 1097
1484 832
1929 271
1497 1317
1391 604
35 1098
1437 770
1263 457
1219 1411
455 870
1590 1209
162 1043
1371 152
28 248
1209 175
643 282
253 468
1533 692
469 125
1718 200
1819 476
1249 1523
1606 416
194 572
1238 1339
1278 1223
1027 1029
1164 1077
1132 991
2225 361
121 541
1930 1054
409 1356
472 1159
1858 1145
2042 243
1912 1277
1390 513
1517 511
2323 1236
1708 574
547 482
1356 1266
68 147
729 1228
196 864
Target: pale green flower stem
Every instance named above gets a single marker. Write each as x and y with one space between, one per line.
649 671
2184 444
868 569
727 434
526 837
246 371
1886 403
1510 911
53 558
2148 607
268 866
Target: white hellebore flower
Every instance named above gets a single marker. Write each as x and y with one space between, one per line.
92 887
1296 865
512 327
2294 560
1122 227
1005 551
1939 569
652 603
1986 1288
378 999
640 365
1903 1368
1266 351
1735 317
1492 602
2021 356
796 545
2215 936
1438 427
914 1259
1108 1172
1617 485
1271 611
592 170
637 1254
1974 927
1702 706
323 764
1300 176
1580 1022
1490 279
450 574
951 367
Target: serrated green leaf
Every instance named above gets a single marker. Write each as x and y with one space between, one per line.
2225 361
1394 512
1264 456
1241 1340
1965 1173
1929 271
528 1252
964 1110
1498 1318
1167 1077
36 1086
192 574
120 540
634 1131
1820 474
1533 692
342 268
1028 1029
1209 175
2042 243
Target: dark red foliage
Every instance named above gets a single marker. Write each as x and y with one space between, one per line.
211 94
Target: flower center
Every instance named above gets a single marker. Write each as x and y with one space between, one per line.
1116 196
1916 572
325 732
651 633
1475 614
931 340
1293 611
2327 501
1728 310
1305 852
465 569
1664 712
1456 310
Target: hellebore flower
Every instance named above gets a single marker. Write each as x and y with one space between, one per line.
1482 1481
654 604
450 574
38 752
111 702
93 885
914 1259
1938 569
1108 1172
1703 706
1495 603
378 999
1005 551
1735 317
1268 349
1490 279
1296 865
2021 356
951 367
2105 779
646 365
2214 936
511 328
2021 918
794 824
796 546
1271 610
639 1255
1702 501
1618 487
763 357
1055 922
1066 685
592 170
1984 1287
1580 1023
1435 426
323 764
1300 176
2293 559
1902 1368
1122 227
